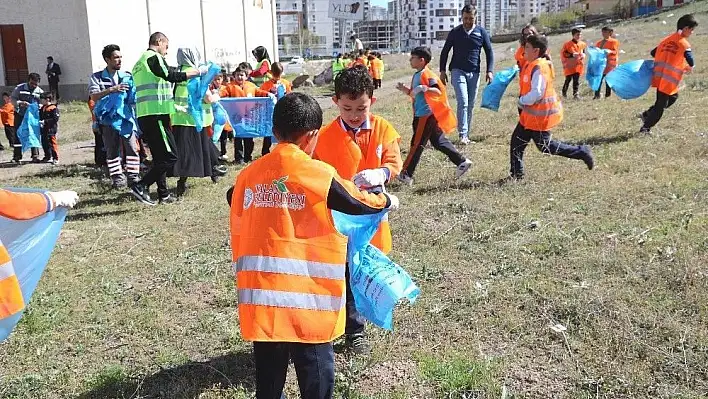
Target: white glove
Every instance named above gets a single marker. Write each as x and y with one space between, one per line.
370 178
420 89
214 99
395 204
272 97
203 70
41 123
66 199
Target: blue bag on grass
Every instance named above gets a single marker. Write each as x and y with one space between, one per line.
597 61
28 132
632 79
196 89
377 283
492 94
30 244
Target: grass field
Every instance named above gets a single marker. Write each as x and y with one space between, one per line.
139 302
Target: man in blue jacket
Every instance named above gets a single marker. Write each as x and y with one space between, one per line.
466 42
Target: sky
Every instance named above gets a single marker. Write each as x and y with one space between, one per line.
382 3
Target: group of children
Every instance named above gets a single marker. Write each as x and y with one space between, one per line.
371 60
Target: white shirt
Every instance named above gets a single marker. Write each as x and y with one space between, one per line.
358 45
538 87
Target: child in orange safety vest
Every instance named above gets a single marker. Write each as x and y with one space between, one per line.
527 31
612 46
541 110
288 256
432 117
672 59
23 206
364 148
276 86
573 60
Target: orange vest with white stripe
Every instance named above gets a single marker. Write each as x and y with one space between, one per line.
11 300
438 103
336 147
669 63
613 45
547 112
288 256
575 64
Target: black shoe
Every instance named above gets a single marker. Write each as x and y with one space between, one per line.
597 97
239 162
35 160
168 200
215 179
181 189
645 130
2 148
588 158
142 194
219 170
358 343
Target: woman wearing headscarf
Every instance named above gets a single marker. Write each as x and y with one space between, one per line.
196 154
261 74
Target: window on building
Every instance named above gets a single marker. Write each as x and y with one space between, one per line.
294 6
441 27
422 34
440 5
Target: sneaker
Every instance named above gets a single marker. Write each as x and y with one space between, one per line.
645 131
16 161
215 179
597 97
181 189
119 184
405 179
36 160
463 168
142 194
577 97
2 148
220 170
358 343
464 140
168 200
44 160
589 159
54 162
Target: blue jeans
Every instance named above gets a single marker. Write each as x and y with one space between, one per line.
466 84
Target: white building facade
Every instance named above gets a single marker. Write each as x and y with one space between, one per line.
77 30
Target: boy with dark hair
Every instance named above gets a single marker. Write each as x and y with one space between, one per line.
49 125
7 118
278 87
541 110
24 95
432 117
612 46
572 58
672 59
363 148
288 256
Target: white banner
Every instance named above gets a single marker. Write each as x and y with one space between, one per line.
346 9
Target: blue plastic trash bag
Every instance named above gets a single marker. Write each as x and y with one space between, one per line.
281 91
632 79
116 110
378 284
28 133
196 90
30 244
596 63
221 118
492 94
250 116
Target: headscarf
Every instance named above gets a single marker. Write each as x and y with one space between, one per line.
261 53
189 56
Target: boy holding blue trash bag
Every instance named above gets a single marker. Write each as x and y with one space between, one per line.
672 59
541 111
289 258
611 45
572 58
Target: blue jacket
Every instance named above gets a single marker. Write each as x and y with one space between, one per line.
466 49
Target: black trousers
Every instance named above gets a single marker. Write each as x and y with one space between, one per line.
656 111
222 141
314 366
54 88
421 134
267 142
608 91
11 135
243 149
576 84
17 151
158 134
520 139
355 324
99 149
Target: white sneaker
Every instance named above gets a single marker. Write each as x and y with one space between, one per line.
464 140
463 168
224 158
405 179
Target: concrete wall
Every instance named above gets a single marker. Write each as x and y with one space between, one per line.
59 29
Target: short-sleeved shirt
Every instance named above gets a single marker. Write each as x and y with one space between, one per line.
420 106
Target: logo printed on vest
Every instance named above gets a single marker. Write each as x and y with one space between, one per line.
275 195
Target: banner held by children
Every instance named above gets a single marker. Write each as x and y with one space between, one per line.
250 116
378 284
28 133
492 94
632 79
597 61
29 244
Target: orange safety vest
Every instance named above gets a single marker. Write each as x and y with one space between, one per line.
575 64
272 82
438 103
670 63
288 256
547 112
380 66
11 300
336 147
223 93
519 57
613 45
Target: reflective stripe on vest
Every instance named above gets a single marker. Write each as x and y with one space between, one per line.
181 99
547 112
667 71
295 267
153 95
669 63
294 300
